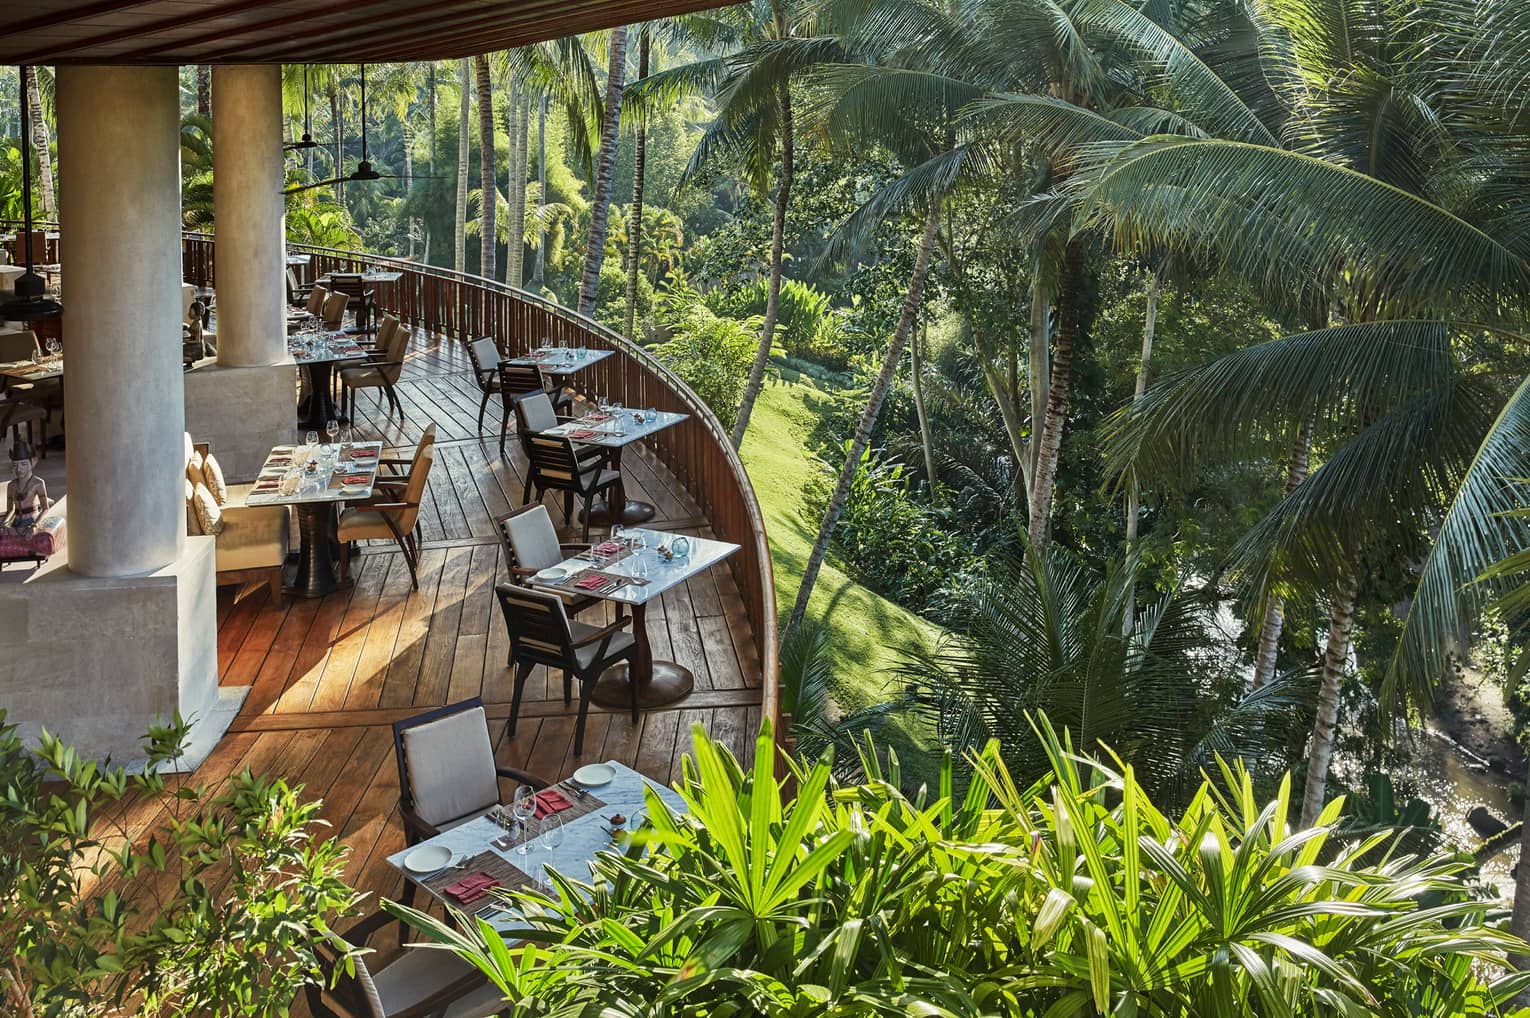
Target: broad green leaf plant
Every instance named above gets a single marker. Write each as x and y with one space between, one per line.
130 893
1075 896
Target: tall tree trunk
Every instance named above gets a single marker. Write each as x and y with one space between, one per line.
459 234
1038 366
337 124
1133 499
1069 318
635 224
411 225
600 206
868 419
926 437
204 90
773 296
518 115
1275 607
430 99
40 145
1335 657
539 266
1519 919
487 227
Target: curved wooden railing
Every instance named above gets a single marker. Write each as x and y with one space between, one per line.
697 452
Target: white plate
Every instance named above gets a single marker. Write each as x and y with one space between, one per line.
552 574
594 775
428 859
355 489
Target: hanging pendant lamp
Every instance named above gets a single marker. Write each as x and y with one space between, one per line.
31 302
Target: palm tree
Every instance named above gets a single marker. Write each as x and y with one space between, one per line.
486 176
639 165
1044 633
605 165
459 220
33 88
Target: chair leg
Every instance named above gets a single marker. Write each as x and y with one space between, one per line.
521 675
482 406
568 510
274 581
587 514
584 710
526 491
568 687
414 578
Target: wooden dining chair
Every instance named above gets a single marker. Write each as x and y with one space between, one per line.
316 298
484 354
333 312
421 983
523 379
533 414
19 345
382 370
558 464
530 542
394 517
446 771
541 633
360 298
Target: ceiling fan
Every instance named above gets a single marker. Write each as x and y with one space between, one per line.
364 172
307 141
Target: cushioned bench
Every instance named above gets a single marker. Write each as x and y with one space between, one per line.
252 541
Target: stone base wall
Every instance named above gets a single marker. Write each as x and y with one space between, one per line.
97 660
241 413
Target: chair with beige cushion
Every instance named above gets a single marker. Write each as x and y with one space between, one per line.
446 770
252 541
421 983
382 369
333 311
393 517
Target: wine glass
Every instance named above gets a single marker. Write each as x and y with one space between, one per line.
524 806
55 346
550 837
617 534
600 402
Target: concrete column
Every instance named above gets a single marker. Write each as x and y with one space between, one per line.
120 207
250 215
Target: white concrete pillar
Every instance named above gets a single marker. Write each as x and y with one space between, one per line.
120 207
250 214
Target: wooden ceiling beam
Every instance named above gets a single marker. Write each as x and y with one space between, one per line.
286 21
447 26
48 55
73 14
378 24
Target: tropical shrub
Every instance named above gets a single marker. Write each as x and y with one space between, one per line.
806 326
895 544
712 355
1072 896
214 910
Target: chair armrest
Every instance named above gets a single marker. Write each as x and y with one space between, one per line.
522 777
523 571
381 507
416 828
608 631
359 934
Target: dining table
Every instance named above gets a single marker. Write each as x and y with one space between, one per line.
316 480
490 847
615 429
636 570
317 353
45 369
562 362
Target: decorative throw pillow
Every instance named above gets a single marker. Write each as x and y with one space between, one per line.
209 515
194 468
212 476
193 525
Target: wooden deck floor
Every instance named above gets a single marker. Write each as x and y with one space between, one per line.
327 677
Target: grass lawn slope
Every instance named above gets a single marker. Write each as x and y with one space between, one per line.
866 630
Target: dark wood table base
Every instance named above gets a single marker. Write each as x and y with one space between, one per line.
315 574
633 512
658 682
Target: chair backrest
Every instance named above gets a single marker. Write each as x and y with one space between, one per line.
395 348
37 241
529 538
419 473
519 379
188 298
349 283
18 346
446 762
316 298
537 624
385 330
339 994
484 353
535 413
334 310
292 287
554 464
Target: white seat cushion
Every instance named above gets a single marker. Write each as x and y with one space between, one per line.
487 1000
534 539
451 767
420 973
618 642
537 411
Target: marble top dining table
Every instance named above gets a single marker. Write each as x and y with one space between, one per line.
583 836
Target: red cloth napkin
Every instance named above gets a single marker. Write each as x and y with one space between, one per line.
470 889
609 548
267 485
592 582
597 416
361 454
582 433
356 479
550 800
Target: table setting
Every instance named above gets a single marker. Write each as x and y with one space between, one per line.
316 352
313 472
476 865
634 568
562 359
613 426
